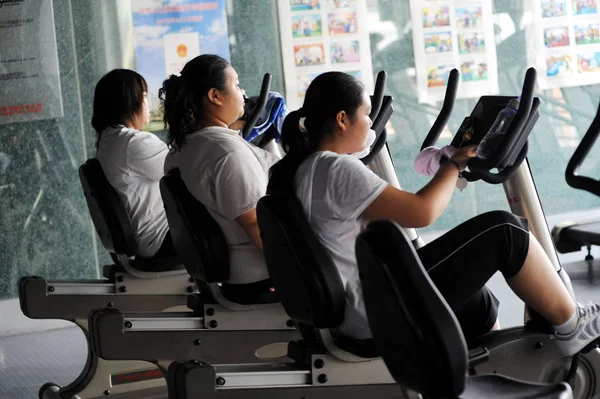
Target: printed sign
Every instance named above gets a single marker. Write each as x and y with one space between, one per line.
29 73
454 34
323 35
566 46
169 33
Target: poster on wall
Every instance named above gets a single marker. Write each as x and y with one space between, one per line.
567 42
454 34
319 36
29 73
169 33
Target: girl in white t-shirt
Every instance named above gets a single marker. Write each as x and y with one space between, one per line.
221 170
132 160
338 194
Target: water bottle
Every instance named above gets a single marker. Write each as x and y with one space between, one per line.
490 143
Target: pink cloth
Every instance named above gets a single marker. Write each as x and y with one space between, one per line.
428 161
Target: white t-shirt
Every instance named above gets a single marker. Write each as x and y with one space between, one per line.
334 191
133 164
228 176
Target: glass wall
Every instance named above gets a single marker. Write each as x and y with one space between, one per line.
46 229
565 113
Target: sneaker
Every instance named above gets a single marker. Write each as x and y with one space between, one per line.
586 331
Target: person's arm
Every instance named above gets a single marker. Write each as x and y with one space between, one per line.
428 204
249 223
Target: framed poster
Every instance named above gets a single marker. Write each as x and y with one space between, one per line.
29 72
319 36
168 33
566 46
454 34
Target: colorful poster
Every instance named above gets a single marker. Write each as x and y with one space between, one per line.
169 33
319 36
454 34
565 46
29 73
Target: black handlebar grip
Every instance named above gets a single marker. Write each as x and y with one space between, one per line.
518 122
446 111
378 94
506 173
514 128
260 105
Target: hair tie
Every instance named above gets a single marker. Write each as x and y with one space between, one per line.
301 125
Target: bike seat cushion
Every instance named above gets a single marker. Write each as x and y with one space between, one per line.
257 293
197 237
108 213
364 348
157 264
302 271
415 330
583 233
112 222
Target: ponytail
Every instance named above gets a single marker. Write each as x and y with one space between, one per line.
295 143
328 94
182 97
179 109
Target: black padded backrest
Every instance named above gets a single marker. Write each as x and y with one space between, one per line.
197 237
108 212
301 269
413 326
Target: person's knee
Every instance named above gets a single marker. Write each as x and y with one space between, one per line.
508 237
503 219
515 236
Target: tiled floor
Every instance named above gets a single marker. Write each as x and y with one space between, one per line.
27 361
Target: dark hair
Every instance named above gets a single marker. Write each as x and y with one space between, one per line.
328 94
182 97
118 98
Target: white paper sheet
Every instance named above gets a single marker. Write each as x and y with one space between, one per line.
454 34
29 73
319 36
566 46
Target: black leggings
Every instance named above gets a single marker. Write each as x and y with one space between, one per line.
461 261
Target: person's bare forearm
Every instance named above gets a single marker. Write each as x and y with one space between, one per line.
438 192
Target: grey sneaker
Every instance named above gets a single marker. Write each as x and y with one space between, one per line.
586 332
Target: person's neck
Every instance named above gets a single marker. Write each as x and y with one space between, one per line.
130 125
211 122
333 146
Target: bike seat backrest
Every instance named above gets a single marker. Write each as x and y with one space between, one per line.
414 328
108 212
301 269
197 237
